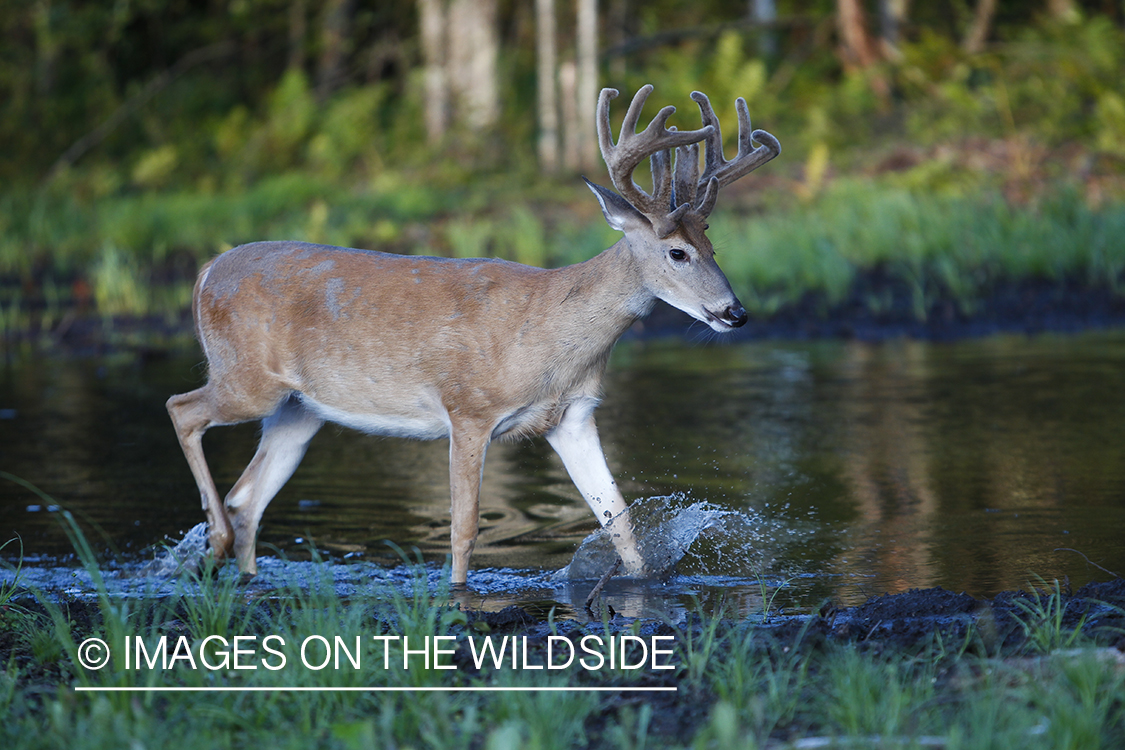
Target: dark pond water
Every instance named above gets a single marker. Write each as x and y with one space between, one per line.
831 468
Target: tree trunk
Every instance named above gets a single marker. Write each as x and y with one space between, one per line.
432 20
765 12
471 64
335 41
298 28
856 48
892 17
617 25
545 83
980 28
1062 10
587 84
46 48
568 97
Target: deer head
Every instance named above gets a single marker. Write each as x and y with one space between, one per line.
665 230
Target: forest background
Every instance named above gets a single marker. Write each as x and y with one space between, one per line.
933 152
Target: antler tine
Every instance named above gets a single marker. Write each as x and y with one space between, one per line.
713 159
685 186
662 195
717 169
632 147
749 158
668 211
605 134
633 114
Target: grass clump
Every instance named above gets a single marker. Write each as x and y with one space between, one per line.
882 246
991 682
1042 619
747 688
930 246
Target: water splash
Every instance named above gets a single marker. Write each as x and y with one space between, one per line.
186 554
680 536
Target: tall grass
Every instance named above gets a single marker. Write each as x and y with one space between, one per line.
866 240
933 245
68 232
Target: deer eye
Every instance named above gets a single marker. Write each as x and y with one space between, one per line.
677 255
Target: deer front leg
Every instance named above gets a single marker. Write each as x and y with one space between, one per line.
576 441
467 448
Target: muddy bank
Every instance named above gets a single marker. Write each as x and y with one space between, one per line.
880 306
546 605
1024 307
934 626
903 621
934 621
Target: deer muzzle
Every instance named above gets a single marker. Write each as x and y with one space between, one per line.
733 316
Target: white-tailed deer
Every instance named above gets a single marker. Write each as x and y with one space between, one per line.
297 334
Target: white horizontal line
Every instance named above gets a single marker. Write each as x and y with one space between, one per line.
375 689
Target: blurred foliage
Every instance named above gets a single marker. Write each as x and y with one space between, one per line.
209 96
935 247
1055 82
142 137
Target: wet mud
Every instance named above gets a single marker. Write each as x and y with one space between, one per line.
1029 306
547 605
898 622
914 618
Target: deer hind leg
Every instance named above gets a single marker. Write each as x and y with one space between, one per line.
285 437
576 441
466 464
192 413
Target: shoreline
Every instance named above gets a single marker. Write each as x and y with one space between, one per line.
1024 307
1027 307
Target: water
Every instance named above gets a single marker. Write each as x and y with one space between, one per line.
825 469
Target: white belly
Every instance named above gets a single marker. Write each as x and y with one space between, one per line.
426 425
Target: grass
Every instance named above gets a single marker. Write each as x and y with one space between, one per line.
740 684
934 246
1042 619
881 241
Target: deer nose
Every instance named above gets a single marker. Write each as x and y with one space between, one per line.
736 315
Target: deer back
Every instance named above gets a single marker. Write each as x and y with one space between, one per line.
401 345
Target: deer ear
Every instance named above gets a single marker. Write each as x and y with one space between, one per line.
619 213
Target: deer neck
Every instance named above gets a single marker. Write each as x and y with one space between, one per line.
602 297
